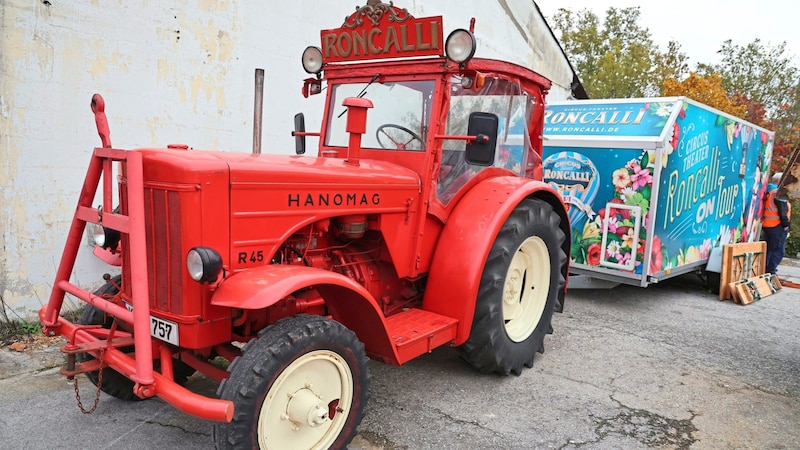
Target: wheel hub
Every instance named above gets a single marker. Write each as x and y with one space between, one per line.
525 288
513 286
308 404
306 407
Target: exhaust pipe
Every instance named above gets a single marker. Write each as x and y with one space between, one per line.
258 111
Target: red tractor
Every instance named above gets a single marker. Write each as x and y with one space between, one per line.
421 222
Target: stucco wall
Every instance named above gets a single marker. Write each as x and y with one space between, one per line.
170 72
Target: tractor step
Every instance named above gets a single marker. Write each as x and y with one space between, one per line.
416 331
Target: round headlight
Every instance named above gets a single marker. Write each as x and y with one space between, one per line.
203 264
106 237
312 60
460 46
99 235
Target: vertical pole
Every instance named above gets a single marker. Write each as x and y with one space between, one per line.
139 281
258 111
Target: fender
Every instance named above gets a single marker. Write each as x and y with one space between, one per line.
468 235
347 301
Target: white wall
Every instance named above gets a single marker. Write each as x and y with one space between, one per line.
170 72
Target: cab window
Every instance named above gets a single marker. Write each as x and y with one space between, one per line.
398 120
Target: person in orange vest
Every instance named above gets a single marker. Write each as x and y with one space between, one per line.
775 224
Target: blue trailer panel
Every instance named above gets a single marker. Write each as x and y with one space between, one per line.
654 185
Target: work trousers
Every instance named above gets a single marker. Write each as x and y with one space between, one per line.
776 245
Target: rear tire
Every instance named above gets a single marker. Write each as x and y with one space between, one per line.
114 383
518 291
302 384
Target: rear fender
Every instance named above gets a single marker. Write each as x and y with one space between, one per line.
348 302
468 235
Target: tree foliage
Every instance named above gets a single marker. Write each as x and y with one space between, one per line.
616 58
762 73
707 90
765 81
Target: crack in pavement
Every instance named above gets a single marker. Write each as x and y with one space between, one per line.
177 427
474 423
649 428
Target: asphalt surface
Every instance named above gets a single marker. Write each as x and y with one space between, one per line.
669 366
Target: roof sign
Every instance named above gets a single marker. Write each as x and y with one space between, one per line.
378 31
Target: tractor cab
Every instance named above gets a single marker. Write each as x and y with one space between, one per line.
433 107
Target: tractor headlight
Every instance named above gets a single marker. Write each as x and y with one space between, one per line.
312 60
106 237
204 264
460 46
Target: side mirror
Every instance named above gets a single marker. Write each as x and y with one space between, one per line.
481 150
299 133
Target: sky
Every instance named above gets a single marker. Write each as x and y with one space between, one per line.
701 26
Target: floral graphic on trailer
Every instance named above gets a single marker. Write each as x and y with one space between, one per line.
633 184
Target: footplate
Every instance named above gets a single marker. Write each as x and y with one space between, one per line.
415 332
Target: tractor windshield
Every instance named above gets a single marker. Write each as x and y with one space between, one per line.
512 105
398 120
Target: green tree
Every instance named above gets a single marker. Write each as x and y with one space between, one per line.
765 74
617 59
671 64
764 78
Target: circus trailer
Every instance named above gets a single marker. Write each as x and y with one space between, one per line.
655 186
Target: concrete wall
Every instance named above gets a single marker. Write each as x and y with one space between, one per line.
170 72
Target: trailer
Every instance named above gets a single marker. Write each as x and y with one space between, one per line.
654 186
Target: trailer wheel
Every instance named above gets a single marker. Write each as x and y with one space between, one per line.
114 383
713 281
302 384
517 291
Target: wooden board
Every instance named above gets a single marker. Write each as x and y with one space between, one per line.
755 288
740 262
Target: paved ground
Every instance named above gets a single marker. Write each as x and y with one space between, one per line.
669 366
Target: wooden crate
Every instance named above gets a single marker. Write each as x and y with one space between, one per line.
740 262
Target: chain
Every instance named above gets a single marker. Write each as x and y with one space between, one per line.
97 393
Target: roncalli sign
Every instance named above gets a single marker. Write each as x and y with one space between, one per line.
379 30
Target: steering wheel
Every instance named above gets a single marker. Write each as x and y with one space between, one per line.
398 144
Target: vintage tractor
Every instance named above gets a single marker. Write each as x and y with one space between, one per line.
421 222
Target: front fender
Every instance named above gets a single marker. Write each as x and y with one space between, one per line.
347 301
468 235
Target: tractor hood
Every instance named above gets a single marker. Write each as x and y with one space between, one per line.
264 170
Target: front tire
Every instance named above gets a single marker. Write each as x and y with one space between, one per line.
302 384
518 291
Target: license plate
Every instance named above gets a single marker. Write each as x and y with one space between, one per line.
164 329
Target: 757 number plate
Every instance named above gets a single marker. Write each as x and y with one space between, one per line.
164 329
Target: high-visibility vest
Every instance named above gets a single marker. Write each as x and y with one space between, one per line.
771 218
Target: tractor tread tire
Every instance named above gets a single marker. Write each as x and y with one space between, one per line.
488 348
262 361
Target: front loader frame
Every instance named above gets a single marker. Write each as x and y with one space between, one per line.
97 341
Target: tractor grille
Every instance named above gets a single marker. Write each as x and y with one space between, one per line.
164 252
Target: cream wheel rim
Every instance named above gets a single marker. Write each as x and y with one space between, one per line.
308 404
526 287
